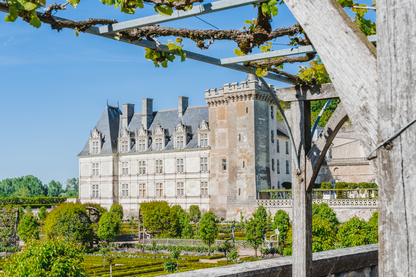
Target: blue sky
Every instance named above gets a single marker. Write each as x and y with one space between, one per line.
55 85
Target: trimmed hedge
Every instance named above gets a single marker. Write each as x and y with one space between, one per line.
33 201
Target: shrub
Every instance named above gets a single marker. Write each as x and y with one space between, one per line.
287 185
208 229
32 201
71 221
287 247
341 194
324 234
372 229
56 257
326 185
109 226
282 222
323 211
118 210
353 233
28 227
156 217
194 213
100 208
42 213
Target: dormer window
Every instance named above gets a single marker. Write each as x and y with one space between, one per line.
142 139
95 142
203 131
142 145
179 142
203 140
159 138
124 146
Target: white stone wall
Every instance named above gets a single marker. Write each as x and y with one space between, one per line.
111 179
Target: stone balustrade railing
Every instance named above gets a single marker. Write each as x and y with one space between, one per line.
333 203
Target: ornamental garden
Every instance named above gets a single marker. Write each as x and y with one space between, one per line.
75 239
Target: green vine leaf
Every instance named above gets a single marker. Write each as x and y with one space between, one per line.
35 22
164 10
13 14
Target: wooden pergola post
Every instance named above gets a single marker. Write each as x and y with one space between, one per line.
302 199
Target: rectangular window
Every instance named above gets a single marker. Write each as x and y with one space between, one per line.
180 189
159 167
277 145
204 189
95 169
287 167
125 190
204 164
142 145
179 142
125 146
95 147
142 190
142 167
224 164
273 164
271 112
272 135
179 165
287 147
95 191
159 190
125 168
159 144
204 140
278 166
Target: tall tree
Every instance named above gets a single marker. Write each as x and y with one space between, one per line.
54 189
208 229
256 228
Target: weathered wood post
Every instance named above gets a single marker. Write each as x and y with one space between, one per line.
396 176
302 199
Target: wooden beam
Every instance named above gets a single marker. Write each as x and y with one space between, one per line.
397 162
309 93
302 199
349 57
317 154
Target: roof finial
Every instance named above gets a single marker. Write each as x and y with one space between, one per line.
107 102
118 106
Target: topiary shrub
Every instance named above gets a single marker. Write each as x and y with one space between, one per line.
71 221
194 213
56 257
156 217
326 185
109 227
42 213
28 227
341 194
282 222
372 229
323 211
118 210
287 185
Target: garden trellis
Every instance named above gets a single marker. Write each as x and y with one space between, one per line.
377 93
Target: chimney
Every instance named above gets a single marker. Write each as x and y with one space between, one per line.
147 112
183 105
128 111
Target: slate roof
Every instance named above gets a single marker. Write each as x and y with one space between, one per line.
281 129
108 125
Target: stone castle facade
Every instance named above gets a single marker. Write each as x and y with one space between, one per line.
220 156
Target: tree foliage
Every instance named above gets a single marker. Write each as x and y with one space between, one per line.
43 258
109 226
281 221
256 228
353 233
28 227
194 213
208 229
118 210
71 221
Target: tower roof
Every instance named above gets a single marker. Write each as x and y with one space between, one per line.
251 77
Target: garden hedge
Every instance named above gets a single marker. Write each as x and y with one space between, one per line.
33 201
